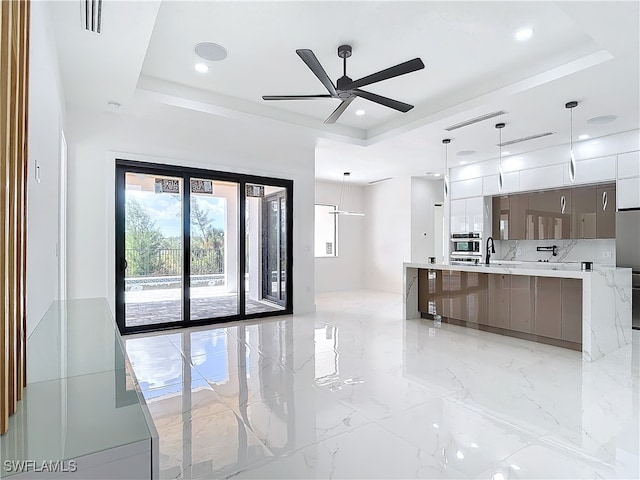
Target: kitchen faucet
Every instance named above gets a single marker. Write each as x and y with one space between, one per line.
489 252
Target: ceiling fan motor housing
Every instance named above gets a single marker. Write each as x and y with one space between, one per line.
344 51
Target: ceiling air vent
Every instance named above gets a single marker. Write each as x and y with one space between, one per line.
524 139
379 181
92 18
471 121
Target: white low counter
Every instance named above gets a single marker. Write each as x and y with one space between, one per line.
82 405
606 298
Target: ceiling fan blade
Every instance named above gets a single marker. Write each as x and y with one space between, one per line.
294 97
312 62
400 69
338 111
387 102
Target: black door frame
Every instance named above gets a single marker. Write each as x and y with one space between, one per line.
266 276
186 173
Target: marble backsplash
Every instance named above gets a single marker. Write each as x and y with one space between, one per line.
599 251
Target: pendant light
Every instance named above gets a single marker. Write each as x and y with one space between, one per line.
346 195
572 159
446 143
500 126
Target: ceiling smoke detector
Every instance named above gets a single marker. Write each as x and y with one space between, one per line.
210 51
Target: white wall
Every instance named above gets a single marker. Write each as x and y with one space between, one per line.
46 117
424 194
171 135
343 272
387 233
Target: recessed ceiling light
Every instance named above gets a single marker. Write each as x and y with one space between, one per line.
360 112
505 153
523 34
463 162
473 445
584 136
460 455
202 67
465 153
210 51
601 120
436 174
514 466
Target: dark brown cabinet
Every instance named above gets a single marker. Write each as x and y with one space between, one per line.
509 216
478 297
458 295
548 307
522 303
499 300
606 211
433 292
500 220
569 213
571 310
583 212
549 215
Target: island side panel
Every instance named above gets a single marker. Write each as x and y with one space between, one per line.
610 319
410 296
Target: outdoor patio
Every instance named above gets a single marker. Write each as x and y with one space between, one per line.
148 307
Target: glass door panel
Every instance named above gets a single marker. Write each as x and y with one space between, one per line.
214 249
266 249
153 249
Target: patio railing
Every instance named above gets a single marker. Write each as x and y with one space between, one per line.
168 262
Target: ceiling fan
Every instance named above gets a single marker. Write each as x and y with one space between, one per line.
346 89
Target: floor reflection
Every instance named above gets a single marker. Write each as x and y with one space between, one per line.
354 391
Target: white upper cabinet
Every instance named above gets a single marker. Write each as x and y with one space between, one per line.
593 170
629 165
466 188
541 178
628 192
473 214
466 215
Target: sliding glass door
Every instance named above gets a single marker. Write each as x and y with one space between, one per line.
153 254
214 249
181 245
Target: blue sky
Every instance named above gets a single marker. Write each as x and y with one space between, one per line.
166 209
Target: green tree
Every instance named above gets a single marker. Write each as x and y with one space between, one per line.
207 242
143 241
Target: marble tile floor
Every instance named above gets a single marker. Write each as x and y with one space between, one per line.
353 391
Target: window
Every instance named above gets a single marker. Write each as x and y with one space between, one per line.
326 235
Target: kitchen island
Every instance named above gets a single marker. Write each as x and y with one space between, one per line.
557 304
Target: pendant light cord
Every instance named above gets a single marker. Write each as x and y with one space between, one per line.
500 148
571 131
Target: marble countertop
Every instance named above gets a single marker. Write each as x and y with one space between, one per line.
537 269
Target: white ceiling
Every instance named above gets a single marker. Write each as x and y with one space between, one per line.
585 51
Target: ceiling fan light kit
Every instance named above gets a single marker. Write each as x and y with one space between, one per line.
347 90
